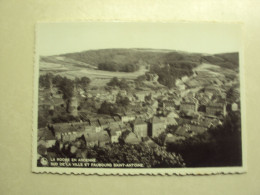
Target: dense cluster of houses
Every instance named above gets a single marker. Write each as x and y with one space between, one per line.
102 131
149 114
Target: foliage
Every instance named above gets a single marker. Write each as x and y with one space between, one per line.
63 118
66 86
122 101
45 80
107 108
220 146
82 82
111 66
169 73
115 82
121 105
127 153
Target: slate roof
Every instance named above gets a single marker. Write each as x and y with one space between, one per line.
157 120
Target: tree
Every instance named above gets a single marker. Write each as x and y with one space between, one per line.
82 82
46 80
113 82
107 108
66 86
219 146
123 84
140 153
122 101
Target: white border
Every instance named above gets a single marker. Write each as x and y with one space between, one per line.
142 171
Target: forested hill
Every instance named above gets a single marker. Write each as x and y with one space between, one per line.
225 60
130 60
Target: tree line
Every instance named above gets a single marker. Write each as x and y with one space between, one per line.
112 66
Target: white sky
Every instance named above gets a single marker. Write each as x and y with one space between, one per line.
58 38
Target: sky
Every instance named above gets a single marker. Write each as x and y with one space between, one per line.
60 38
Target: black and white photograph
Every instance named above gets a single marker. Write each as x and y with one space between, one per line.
138 98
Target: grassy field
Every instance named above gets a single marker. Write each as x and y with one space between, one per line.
72 70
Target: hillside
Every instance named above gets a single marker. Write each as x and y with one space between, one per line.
104 64
226 60
132 56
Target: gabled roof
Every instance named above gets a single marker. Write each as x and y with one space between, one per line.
48 135
139 122
157 120
217 105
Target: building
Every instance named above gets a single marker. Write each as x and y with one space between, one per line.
67 131
140 128
151 77
184 78
73 104
95 124
216 109
184 131
170 138
182 87
103 138
97 139
189 106
211 89
127 117
154 105
168 105
91 139
156 127
170 118
234 107
115 134
131 138
197 129
49 138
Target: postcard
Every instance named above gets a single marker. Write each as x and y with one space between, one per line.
138 98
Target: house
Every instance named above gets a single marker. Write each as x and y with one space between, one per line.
211 89
170 118
156 127
103 123
103 138
97 139
170 138
184 131
140 128
234 107
182 87
154 105
67 131
140 97
178 82
127 117
189 106
113 137
95 123
216 109
168 105
149 142
131 138
184 78
151 77
91 139
197 129
49 139
115 133
142 116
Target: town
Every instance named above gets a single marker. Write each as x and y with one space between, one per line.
132 112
